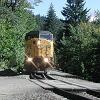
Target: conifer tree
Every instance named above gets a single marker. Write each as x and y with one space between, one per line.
74 13
51 20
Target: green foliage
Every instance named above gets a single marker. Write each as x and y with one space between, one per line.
14 24
79 53
52 23
96 20
40 21
74 13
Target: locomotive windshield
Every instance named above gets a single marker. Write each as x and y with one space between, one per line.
46 36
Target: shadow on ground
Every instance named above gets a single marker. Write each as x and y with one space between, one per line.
7 72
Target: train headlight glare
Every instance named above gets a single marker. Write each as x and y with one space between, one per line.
38 43
46 60
29 59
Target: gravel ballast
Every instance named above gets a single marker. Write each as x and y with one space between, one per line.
17 88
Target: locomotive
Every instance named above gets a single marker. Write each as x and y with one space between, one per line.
39 51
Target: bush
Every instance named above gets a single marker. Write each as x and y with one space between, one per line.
79 53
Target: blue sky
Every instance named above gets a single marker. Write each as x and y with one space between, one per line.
43 7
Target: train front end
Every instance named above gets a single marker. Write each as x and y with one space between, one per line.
39 51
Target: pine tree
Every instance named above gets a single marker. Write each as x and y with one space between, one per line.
74 13
40 21
51 20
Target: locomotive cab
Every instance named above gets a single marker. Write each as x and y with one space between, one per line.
38 51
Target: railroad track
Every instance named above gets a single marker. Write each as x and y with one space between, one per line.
88 90
72 95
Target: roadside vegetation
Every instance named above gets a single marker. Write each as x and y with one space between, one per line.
78 48
76 38
15 22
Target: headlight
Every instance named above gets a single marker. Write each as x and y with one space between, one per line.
46 60
38 43
29 59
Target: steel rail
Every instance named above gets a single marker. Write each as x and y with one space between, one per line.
62 92
89 91
66 94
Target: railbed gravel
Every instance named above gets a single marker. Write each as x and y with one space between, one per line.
34 95
79 93
30 93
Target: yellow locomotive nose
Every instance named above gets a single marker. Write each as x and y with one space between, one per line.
46 60
29 59
39 51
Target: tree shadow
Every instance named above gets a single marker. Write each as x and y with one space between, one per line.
7 72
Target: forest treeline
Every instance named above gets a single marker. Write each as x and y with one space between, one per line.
15 21
76 37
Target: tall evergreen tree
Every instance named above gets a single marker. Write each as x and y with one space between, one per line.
40 21
51 20
74 13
